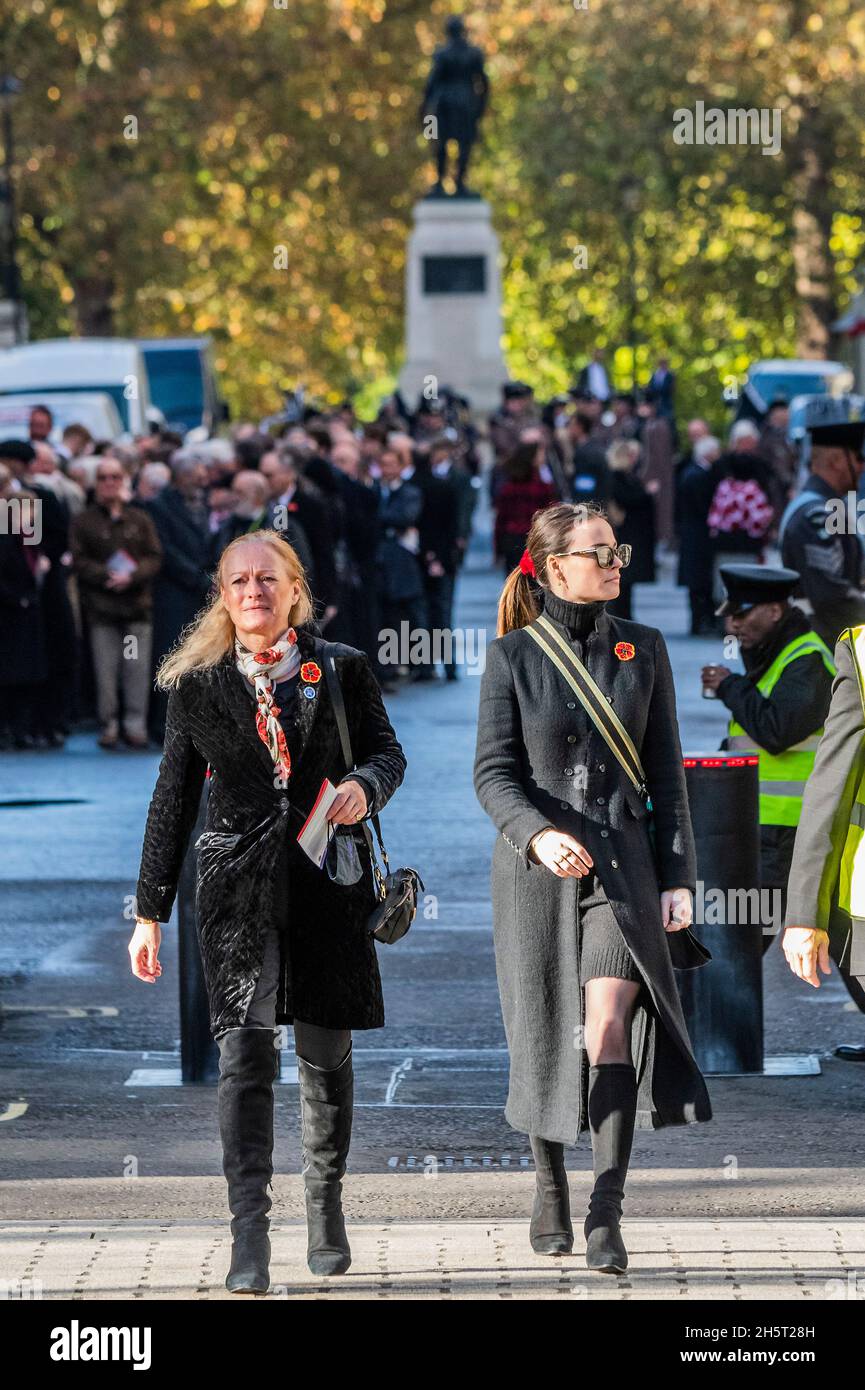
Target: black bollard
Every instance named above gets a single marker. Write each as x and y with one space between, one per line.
199 1054
723 1000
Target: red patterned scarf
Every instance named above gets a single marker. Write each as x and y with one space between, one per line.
275 663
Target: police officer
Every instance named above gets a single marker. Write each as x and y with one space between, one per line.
813 534
826 893
777 707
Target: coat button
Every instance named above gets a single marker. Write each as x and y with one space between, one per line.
569 772
614 863
565 805
572 738
605 834
572 704
610 698
602 800
602 767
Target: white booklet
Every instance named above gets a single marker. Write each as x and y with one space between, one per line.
314 837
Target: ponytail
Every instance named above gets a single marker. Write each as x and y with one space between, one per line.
518 604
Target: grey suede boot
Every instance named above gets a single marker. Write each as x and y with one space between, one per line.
326 1107
248 1065
550 1229
612 1110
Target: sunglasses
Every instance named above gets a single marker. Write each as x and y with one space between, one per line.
604 554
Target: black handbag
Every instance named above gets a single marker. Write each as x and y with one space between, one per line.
396 892
686 951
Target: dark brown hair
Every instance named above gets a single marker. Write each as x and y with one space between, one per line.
549 534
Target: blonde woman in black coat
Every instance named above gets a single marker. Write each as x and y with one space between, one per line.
282 941
584 902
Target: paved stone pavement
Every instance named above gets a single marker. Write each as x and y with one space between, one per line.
800 1261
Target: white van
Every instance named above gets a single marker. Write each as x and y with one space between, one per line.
114 366
93 409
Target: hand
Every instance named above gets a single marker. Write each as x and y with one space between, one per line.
561 854
676 910
435 569
144 951
805 949
349 806
712 676
329 612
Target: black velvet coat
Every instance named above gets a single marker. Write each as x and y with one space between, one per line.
251 872
540 763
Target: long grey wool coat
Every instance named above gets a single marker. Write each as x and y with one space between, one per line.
539 763
251 871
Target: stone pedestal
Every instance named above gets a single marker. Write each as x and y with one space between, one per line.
453 303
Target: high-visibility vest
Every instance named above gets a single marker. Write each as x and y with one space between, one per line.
851 879
783 775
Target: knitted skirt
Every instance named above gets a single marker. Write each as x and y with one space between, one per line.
603 949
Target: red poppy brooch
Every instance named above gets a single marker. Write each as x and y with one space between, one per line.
310 672
625 651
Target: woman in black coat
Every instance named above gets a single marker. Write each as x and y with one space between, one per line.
281 940
584 899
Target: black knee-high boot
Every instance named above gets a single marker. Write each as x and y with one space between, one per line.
248 1065
550 1230
612 1110
326 1107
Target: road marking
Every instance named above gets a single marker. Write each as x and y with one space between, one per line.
14 1110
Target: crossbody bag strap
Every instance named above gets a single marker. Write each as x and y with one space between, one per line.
592 699
331 675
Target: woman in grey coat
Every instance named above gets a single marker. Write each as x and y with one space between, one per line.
584 896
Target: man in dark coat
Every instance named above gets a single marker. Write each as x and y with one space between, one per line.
815 924
815 537
23 656
401 590
295 499
53 703
787 717
695 488
182 586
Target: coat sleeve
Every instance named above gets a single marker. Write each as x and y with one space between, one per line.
794 709
661 755
172 814
498 763
377 751
826 804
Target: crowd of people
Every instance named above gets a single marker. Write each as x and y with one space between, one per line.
380 514
715 501
129 537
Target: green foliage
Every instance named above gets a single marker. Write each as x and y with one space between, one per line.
248 170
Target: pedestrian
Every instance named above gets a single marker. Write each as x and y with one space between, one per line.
825 916
281 941
522 494
23 647
401 593
777 708
824 548
740 515
179 513
695 488
116 555
294 501
631 507
585 899
588 469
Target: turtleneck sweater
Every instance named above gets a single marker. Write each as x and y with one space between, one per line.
578 618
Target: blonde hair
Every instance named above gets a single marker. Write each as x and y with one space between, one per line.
549 534
206 640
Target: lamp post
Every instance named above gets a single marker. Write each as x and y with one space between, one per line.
10 279
630 191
